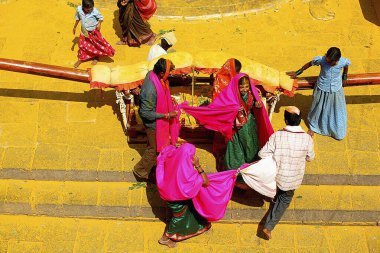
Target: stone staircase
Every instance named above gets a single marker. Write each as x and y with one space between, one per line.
127 199
84 211
65 168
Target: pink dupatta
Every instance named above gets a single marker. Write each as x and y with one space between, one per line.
178 180
167 131
221 113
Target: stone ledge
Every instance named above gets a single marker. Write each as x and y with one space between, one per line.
315 217
124 176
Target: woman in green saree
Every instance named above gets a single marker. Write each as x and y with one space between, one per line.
186 221
244 145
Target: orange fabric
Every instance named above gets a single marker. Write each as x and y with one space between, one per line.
164 81
207 71
223 77
181 71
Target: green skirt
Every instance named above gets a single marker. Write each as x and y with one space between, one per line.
186 221
244 146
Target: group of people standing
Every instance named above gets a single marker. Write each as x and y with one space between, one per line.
239 117
133 19
244 137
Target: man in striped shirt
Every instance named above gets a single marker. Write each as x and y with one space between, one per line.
290 148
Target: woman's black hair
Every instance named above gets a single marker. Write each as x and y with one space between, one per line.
334 54
246 78
237 65
87 3
292 119
160 66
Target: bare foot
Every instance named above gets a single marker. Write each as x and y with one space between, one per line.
267 233
121 43
76 65
152 40
310 132
94 62
166 241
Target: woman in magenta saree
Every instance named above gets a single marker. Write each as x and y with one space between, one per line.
194 198
238 114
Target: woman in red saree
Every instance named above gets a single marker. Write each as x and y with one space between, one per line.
133 18
223 77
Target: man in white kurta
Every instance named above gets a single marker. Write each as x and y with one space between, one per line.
167 41
291 148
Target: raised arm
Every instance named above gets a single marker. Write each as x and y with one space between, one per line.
294 74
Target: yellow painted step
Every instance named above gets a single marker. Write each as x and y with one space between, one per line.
55 235
307 197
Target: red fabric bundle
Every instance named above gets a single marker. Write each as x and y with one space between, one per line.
146 8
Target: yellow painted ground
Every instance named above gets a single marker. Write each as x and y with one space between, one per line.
45 234
50 124
47 123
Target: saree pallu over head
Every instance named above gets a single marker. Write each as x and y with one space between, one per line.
178 180
221 113
146 8
223 77
167 130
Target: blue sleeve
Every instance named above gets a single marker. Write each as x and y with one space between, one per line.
347 62
98 15
148 98
77 16
316 61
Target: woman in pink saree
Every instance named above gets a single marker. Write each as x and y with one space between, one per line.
238 114
194 198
